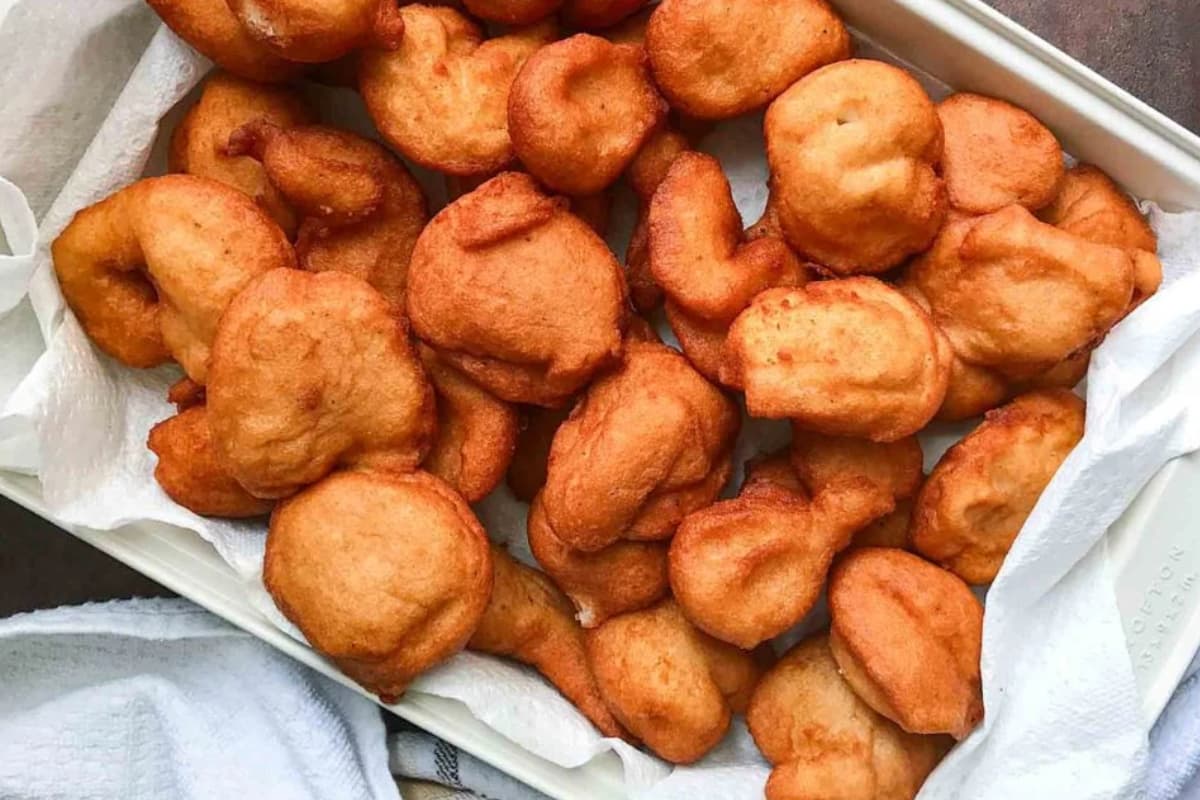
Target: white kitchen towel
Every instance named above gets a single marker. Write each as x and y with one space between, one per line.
1174 770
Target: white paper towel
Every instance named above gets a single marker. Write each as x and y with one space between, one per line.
1062 711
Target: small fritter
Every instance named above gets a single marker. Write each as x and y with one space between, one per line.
849 357
579 110
441 99
984 488
906 635
189 472
773 471
854 151
387 574
512 12
529 620
817 734
702 340
149 270
591 15
516 292
527 472
892 469
890 530
311 372
361 209
647 444
997 155
672 686
647 170
476 432
211 27
301 30
972 389
698 50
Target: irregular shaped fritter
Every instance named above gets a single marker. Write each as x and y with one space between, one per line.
579 110
890 530
527 472
892 469
516 292
476 432
311 372
702 340
849 357
698 50
773 471
972 390
387 574
512 12
672 686
149 270
307 31
647 170
854 150
997 155
984 488
441 99
824 742
211 27
361 209
189 472
529 620
198 145
647 444
906 635
593 14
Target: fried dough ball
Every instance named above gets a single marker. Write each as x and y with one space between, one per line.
441 99
702 340
476 433
311 32
1018 296
213 29
362 210
892 469
311 372
527 472
979 495
672 686
972 390
849 357
387 574
854 150
149 270
773 471
906 635
647 444
591 15
198 145
647 170
189 472
698 50
825 743
512 12
579 110
748 569
517 293
528 620
997 155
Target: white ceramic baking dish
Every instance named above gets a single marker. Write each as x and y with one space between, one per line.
1155 555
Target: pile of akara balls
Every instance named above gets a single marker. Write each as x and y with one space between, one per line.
364 373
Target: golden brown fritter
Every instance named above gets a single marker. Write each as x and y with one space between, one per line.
672 686
647 170
301 30
699 51
892 469
906 635
982 491
595 14
824 742
211 27
527 472
579 110
387 574
702 340
149 270
854 150
512 12
517 293
312 372
773 471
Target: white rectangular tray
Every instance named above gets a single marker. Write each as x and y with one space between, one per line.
1154 552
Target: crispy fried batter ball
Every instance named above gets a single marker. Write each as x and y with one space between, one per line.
702 340
311 372
476 432
672 686
854 150
824 742
719 60
149 270
198 145
517 293
213 29
773 471
579 110
594 14
308 31
387 574
1018 296
529 620
441 99
361 209
647 170
648 443
189 472
527 472
848 357
984 488
906 635
512 12
997 155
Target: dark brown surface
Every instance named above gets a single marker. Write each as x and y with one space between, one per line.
1150 48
